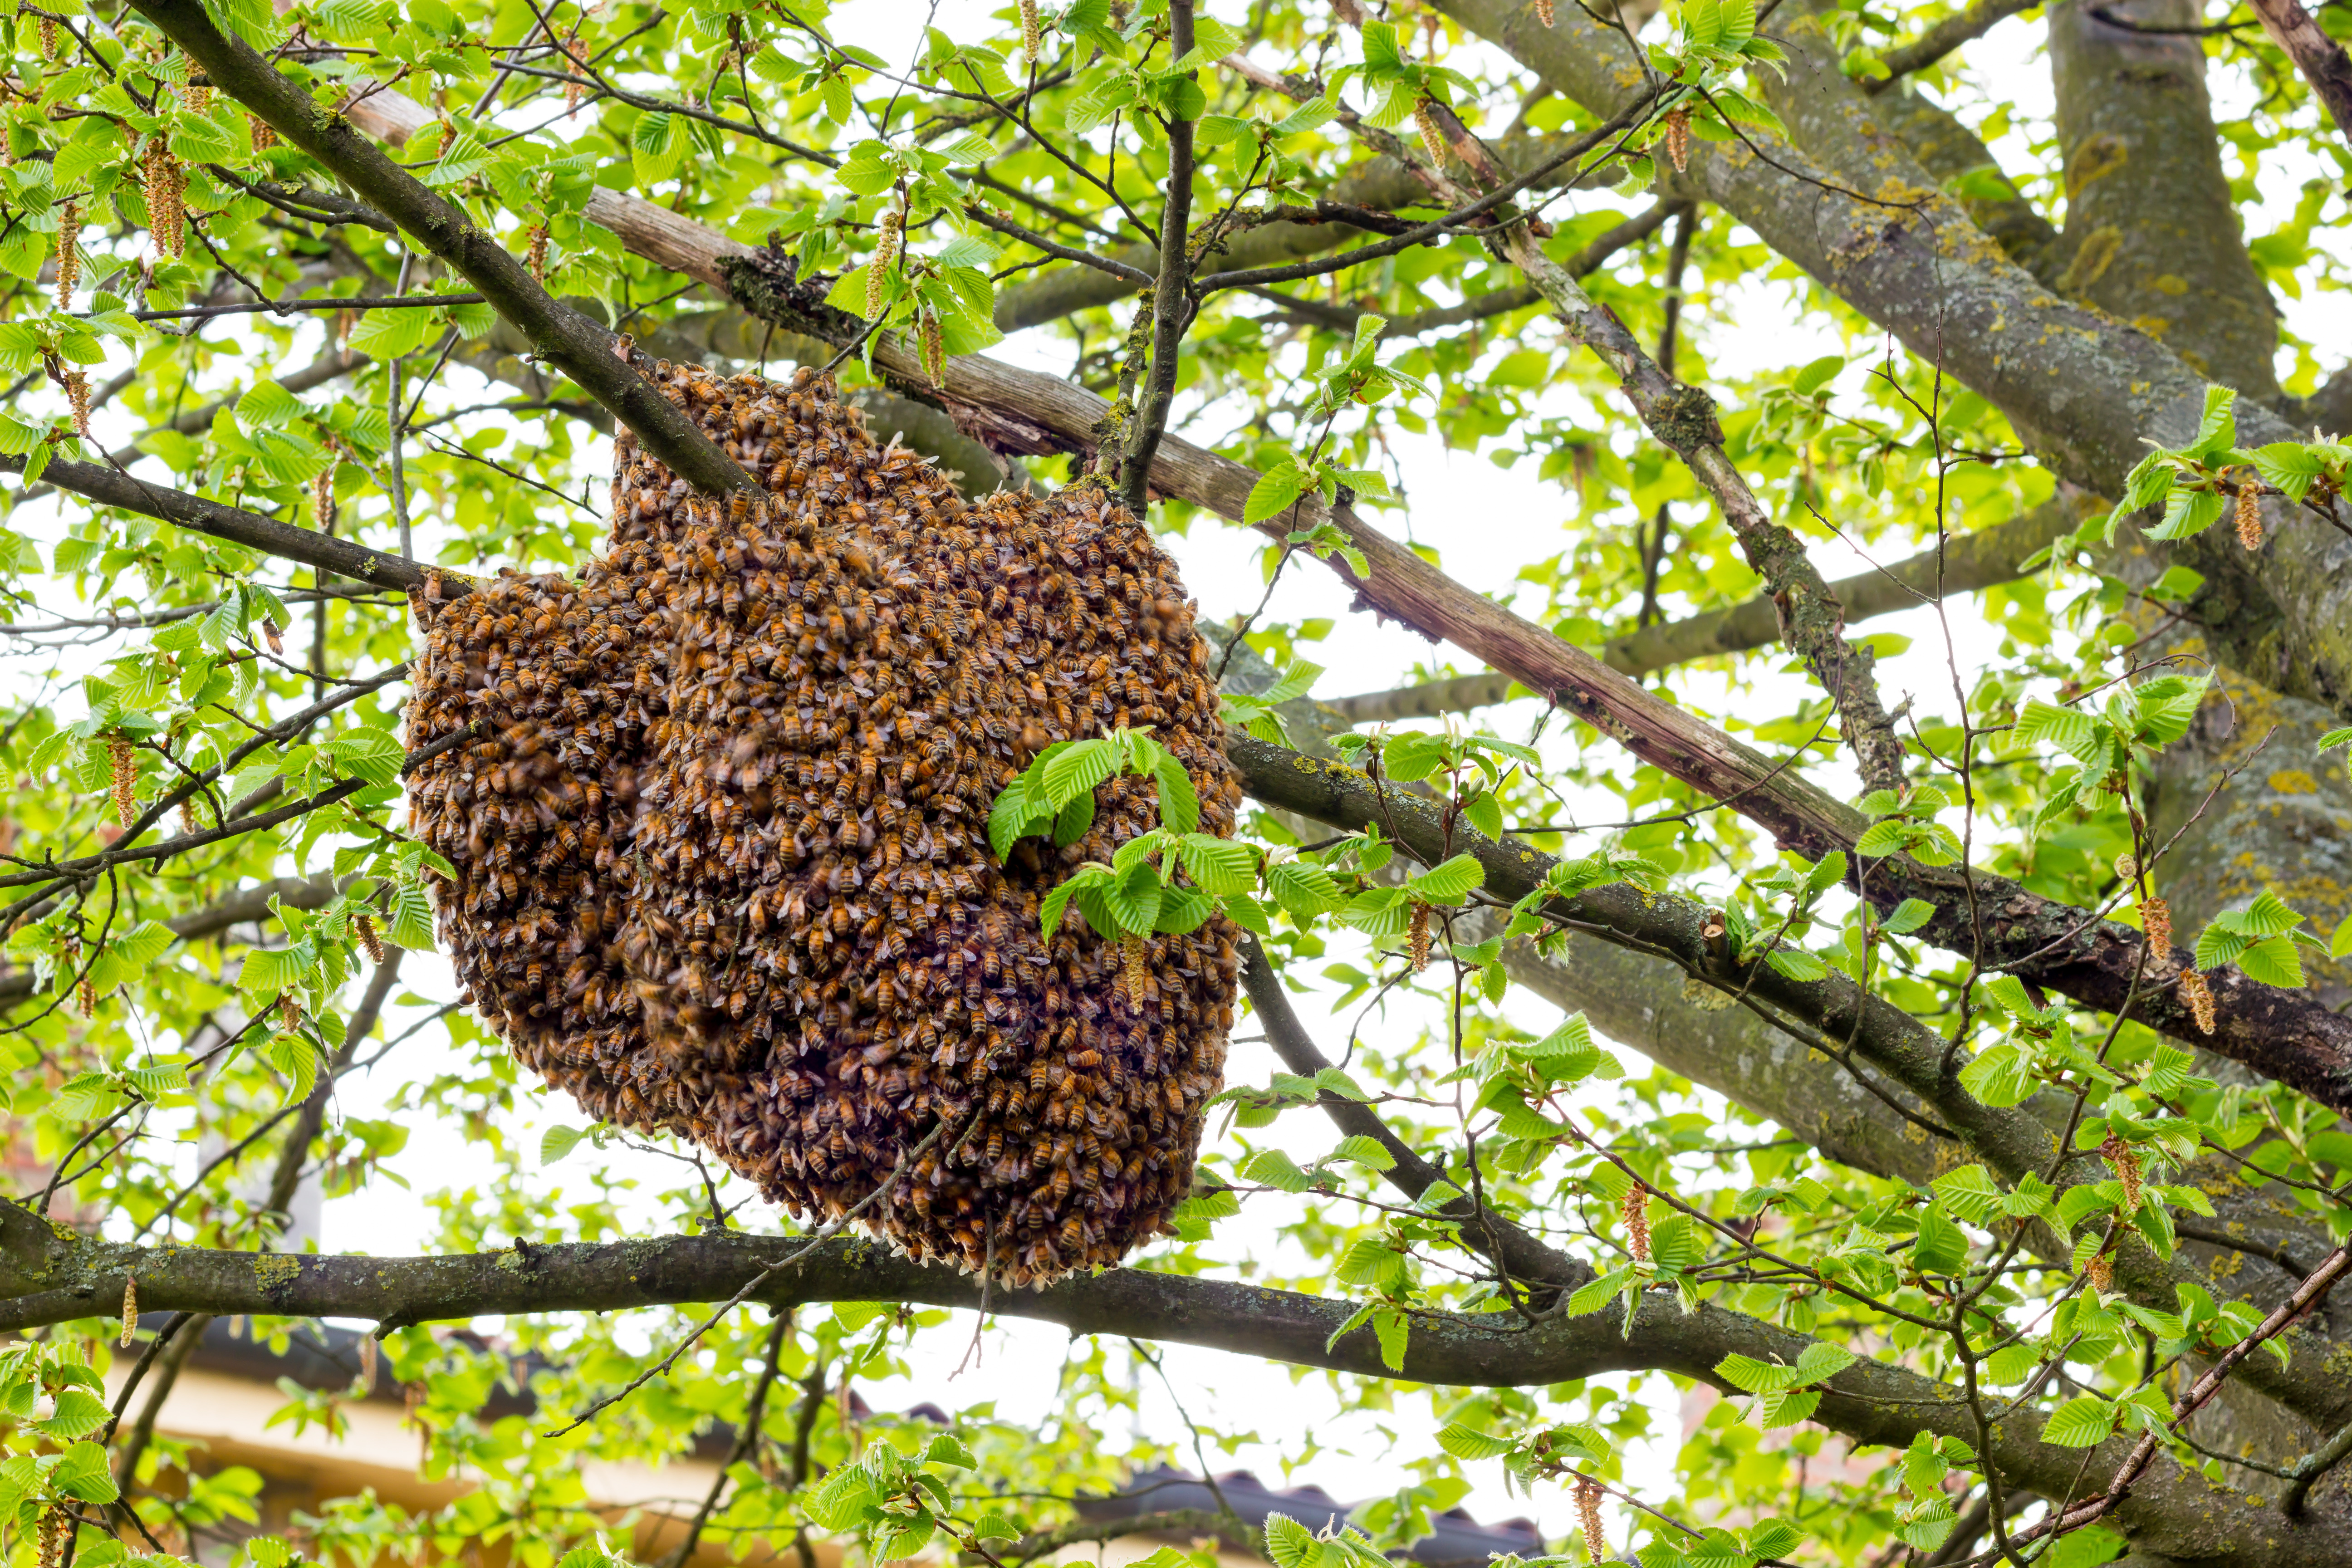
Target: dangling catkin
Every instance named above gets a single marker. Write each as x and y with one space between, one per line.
197 96
2126 1160
1677 138
125 768
1417 938
536 258
1424 115
322 495
1033 33
370 942
1587 1512
878 271
68 252
166 184
2101 1272
130 1309
1544 12
935 351
1135 970
1635 1211
57 1528
264 138
2156 920
2199 995
2250 514
78 400
367 1362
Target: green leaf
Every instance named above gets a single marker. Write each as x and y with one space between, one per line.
81 1473
1272 495
1449 883
1179 803
1465 1443
2082 1422
371 754
1079 768
1907 917
558 1142
1943 1246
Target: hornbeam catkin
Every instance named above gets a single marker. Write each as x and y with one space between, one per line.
2156 920
370 943
68 252
1417 938
2126 1160
878 271
1033 33
536 256
2198 993
1635 1211
122 765
1677 139
166 184
78 401
1587 1512
1544 12
2250 514
1424 115
935 351
130 1309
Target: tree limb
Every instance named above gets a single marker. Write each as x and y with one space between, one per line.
581 348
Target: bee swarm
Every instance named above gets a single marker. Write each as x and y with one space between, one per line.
722 856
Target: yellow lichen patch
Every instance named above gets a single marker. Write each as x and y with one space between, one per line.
273 1269
2092 259
2154 326
2294 781
2170 283
2095 157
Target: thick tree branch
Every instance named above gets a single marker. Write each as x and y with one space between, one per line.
578 347
1963 565
1843 200
2320 58
48 1279
1951 32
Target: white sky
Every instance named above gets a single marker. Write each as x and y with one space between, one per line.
1487 521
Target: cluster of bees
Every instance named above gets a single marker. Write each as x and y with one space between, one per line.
721 853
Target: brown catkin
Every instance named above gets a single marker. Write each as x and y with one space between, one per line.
2100 1270
166 184
49 35
1135 969
1588 1513
86 996
878 271
2156 920
322 495
1635 1212
2199 993
1677 138
536 256
367 1362
2250 514
935 351
122 766
264 137
273 634
1417 938
78 401
289 1013
197 96
1424 115
370 943
130 1309
1033 33
1544 12
68 252
57 1528
2126 1160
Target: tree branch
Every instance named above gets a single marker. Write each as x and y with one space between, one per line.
582 349
2320 58
48 1279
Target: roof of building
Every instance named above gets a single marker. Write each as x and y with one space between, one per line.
1454 1537
322 1356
